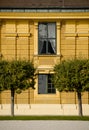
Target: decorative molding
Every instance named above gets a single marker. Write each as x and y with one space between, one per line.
36 25
35 16
18 34
45 69
70 34
77 34
11 34
58 25
24 34
83 34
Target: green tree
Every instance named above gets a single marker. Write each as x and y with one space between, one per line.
3 68
17 76
72 75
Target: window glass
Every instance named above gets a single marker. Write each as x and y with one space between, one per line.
51 46
43 31
45 85
47 38
42 46
41 84
51 30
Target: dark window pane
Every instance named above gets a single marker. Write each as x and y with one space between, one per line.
49 86
45 84
42 84
53 90
49 91
49 78
43 50
42 46
51 46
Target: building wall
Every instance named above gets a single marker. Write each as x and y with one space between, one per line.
19 40
75 42
15 39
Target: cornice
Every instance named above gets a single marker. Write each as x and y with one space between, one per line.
35 16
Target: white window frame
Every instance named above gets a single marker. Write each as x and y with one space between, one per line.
58 39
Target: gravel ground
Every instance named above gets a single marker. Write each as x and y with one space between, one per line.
44 125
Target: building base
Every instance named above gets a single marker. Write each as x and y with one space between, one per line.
44 109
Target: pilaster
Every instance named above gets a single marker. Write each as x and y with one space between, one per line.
58 37
35 38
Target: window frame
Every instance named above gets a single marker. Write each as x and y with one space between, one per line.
47 39
46 88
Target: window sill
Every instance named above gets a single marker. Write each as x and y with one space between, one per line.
48 55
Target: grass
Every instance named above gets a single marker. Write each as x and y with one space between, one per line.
84 118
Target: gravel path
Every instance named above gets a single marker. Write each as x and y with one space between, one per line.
44 125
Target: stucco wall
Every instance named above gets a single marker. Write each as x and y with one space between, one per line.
19 40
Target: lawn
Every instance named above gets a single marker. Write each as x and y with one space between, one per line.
84 118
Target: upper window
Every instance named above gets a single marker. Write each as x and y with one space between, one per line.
47 38
45 85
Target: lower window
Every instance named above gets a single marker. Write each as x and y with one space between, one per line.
45 85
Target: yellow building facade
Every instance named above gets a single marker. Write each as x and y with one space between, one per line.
20 38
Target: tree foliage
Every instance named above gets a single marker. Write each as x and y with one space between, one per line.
72 75
3 75
19 75
16 76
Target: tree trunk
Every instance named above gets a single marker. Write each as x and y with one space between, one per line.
12 102
80 103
